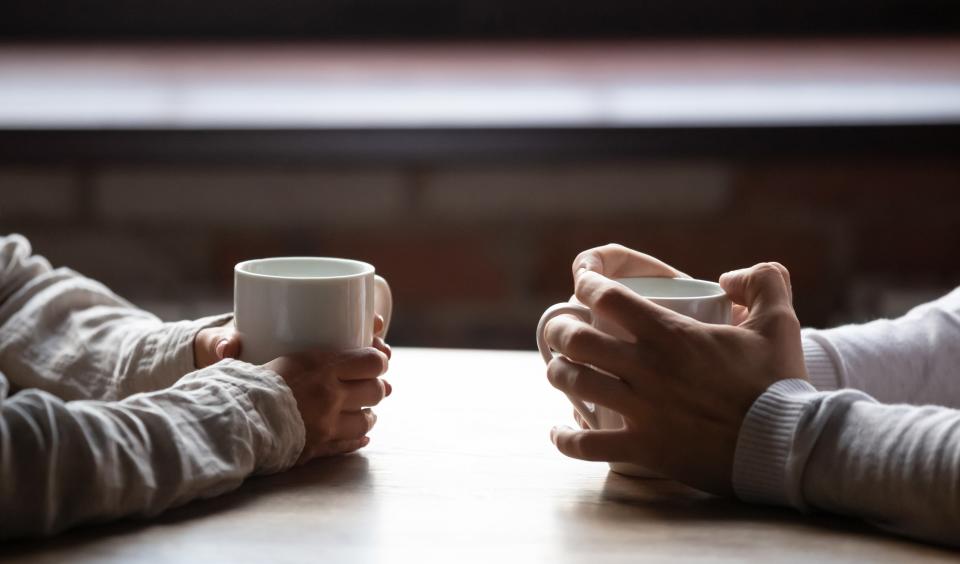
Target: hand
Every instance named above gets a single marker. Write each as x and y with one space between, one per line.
683 387
213 344
617 261
334 393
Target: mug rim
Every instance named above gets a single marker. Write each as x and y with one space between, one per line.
366 268
716 290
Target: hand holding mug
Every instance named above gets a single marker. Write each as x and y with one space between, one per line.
334 393
312 321
213 344
682 386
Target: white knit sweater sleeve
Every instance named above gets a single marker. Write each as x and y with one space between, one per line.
843 451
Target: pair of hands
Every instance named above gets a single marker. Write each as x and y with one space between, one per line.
334 391
683 387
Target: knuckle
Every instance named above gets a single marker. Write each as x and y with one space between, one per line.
374 360
329 396
577 338
381 392
555 371
563 374
766 270
781 269
679 329
610 297
784 319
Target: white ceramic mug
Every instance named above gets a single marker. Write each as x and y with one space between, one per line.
699 299
290 304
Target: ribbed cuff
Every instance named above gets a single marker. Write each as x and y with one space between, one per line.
763 468
820 366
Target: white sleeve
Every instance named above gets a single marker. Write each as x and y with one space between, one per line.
912 359
897 466
71 336
63 463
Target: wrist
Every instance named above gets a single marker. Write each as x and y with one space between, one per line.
765 465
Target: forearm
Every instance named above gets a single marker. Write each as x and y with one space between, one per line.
66 463
911 359
895 465
73 337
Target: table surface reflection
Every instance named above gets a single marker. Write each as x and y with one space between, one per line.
460 468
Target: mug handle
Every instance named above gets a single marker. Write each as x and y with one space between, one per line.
585 409
383 302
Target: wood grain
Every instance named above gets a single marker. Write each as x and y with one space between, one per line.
460 469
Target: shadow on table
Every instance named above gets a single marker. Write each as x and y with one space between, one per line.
626 501
351 471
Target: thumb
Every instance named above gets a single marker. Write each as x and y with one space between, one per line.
763 289
213 344
228 346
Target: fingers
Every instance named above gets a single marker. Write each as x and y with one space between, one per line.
762 285
585 344
332 448
764 289
738 314
377 324
354 424
614 301
213 344
359 364
580 420
616 261
364 393
228 346
383 347
589 385
599 445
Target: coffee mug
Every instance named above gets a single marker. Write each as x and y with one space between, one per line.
699 299
290 304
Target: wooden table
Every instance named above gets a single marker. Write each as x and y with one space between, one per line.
460 468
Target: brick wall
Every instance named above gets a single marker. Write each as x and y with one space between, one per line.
475 252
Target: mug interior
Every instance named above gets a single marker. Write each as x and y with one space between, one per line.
304 267
672 288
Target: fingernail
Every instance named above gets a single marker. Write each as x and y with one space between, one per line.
388 389
221 347
553 435
364 441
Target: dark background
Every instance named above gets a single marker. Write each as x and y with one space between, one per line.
460 20
867 217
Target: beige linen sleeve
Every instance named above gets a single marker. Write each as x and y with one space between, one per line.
71 336
151 432
64 463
